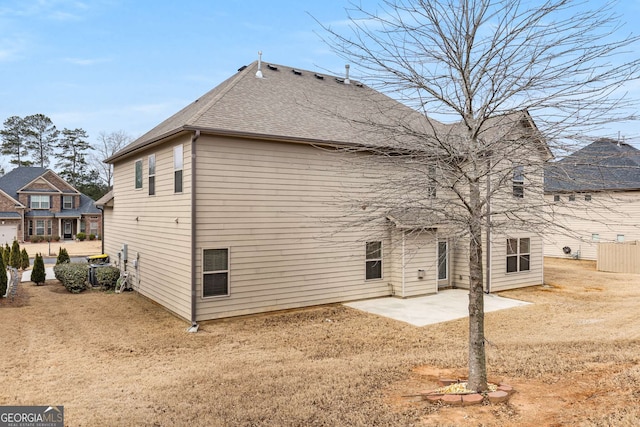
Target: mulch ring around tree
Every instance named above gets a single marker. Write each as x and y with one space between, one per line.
455 393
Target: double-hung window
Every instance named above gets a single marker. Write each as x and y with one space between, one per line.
152 174
40 227
178 164
373 260
215 272
40 202
518 255
138 171
518 181
67 202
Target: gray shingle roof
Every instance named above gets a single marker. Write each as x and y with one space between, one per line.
18 178
605 164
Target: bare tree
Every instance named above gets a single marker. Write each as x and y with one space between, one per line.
108 144
489 68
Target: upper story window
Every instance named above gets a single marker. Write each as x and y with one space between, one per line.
40 202
556 198
152 174
432 185
518 181
572 197
178 163
138 174
587 197
67 202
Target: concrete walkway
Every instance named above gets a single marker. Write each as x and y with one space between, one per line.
26 275
449 304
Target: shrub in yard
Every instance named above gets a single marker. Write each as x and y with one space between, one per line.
92 236
6 254
63 257
56 238
3 277
72 275
24 255
81 236
107 276
38 274
15 260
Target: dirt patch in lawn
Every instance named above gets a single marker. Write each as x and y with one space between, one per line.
573 357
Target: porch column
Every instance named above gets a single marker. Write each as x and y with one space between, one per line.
78 225
60 231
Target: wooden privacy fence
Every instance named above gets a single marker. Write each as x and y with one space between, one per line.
619 257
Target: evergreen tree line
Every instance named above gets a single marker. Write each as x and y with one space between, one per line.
35 141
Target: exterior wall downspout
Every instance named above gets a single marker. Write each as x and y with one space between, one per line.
404 267
194 296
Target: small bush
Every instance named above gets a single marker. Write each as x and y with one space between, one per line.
38 274
15 259
63 257
25 259
6 254
92 236
81 236
37 239
107 276
73 276
56 238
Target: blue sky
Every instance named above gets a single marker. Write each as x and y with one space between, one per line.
107 65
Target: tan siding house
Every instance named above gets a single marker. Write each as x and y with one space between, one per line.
593 196
248 211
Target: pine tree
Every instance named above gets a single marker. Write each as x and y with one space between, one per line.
38 274
15 259
71 158
3 277
42 136
25 259
14 141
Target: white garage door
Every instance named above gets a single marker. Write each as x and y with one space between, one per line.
8 234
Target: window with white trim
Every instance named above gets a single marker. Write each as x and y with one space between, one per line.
432 187
620 238
40 202
152 174
40 227
556 198
93 228
373 260
595 237
518 255
215 272
178 164
138 171
67 202
518 181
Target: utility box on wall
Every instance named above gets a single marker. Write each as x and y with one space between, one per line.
421 274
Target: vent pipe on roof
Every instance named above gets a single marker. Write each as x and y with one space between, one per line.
259 72
346 80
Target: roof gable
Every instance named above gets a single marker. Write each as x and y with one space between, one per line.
605 164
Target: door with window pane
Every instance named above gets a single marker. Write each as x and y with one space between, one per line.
68 230
443 264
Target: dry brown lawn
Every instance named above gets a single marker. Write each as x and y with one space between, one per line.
573 357
74 248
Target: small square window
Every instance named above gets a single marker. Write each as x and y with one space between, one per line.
587 197
595 237
556 198
620 238
572 197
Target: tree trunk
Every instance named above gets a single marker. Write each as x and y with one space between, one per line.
477 358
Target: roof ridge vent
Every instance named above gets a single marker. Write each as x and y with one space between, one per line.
296 72
319 76
259 72
339 80
346 80
272 67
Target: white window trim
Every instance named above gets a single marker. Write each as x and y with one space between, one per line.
64 198
152 173
228 271
518 254
40 199
179 167
135 174
380 260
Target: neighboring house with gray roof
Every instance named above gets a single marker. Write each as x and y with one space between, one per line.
234 205
594 196
35 201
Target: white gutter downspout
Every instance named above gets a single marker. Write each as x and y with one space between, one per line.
194 297
488 238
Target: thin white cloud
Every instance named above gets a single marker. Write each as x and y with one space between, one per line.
11 48
85 62
59 10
